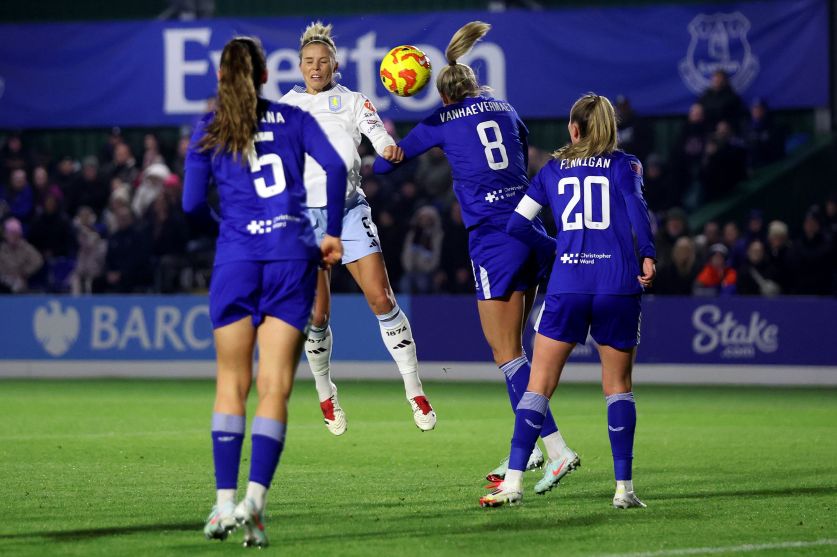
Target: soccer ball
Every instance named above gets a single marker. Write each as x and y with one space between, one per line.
405 70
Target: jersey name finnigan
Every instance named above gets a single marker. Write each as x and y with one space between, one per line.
595 162
474 109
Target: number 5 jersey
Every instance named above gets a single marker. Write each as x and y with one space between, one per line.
262 197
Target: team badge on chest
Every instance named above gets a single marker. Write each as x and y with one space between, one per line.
335 103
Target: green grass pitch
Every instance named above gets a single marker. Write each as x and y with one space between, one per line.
123 467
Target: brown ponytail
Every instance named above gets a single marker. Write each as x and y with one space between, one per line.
237 108
457 81
596 121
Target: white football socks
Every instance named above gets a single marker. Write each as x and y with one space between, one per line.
257 492
224 496
513 479
624 485
318 353
398 338
555 445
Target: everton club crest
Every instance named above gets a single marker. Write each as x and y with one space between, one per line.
719 42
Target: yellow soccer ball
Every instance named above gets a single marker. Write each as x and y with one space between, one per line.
405 70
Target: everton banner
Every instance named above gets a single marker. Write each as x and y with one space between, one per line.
162 73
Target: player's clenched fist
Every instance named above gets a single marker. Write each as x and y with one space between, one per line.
332 250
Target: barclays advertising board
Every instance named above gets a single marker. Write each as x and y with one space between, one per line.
162 73
752 331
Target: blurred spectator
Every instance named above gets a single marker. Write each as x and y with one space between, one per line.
831 216
757 277
710 236
66 173
688 155
169 235
716 277
88 189
179 166
433 173
18 196
150 188
724 164
422 251
40 185
813 257
455 274
126 262
51 231
13 157
92 248
120 195
736 245
123 165
151 153
755 227
661 192
634 135
678 278
720 102
765 142
675 226
114 139
780 255
19 260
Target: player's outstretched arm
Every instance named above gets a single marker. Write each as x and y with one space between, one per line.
520 226
421 139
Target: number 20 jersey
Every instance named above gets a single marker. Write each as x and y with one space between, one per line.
485 143
598 207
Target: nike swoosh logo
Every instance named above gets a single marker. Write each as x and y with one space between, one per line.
530 424
558 471
615 428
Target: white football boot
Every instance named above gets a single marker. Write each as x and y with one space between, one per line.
503 495
624 499
220 522
423 413
251 520
333 415
556 469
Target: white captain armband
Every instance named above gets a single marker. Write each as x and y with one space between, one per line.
528 208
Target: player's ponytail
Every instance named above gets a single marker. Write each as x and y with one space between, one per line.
242 72
457 81
596 120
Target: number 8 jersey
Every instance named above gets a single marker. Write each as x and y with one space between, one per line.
485 143
262 198
599 209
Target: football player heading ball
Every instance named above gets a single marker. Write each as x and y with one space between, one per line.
485 143
344 116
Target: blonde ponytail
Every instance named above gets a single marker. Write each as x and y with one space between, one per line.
236 112
457 81
596 121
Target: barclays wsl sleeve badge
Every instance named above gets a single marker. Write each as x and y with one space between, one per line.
719 42
335 103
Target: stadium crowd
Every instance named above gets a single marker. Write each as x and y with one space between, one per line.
113 222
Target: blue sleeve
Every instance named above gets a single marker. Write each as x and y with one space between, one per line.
630 185
536 189
319 147
197 171
421 139
533 236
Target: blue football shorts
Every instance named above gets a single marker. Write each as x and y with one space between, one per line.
360 235
501 263
281 289
611 320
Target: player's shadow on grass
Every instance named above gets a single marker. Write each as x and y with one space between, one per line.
94 533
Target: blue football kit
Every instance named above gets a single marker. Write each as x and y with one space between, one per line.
602 222
266 255
485 143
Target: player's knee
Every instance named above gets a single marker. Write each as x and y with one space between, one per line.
503 354
319 318
381 302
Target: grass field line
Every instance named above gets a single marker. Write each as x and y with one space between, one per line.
744 548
